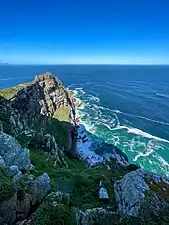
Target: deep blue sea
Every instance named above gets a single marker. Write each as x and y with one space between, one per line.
127 106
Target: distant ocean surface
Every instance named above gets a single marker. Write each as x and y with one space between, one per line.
127 106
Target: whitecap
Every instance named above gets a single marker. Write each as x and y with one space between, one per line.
162 95
144 134
141 154
8 78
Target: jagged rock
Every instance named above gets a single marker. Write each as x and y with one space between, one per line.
12 153
13 170
40 100
94 216
16 173
10 118
48 144
24 201
135 189
18 206
39 188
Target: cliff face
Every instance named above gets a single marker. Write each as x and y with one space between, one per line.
41 100
34 106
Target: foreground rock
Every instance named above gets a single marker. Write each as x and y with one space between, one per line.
138 189
16 207
12 153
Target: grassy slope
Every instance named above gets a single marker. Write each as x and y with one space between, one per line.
76 179
10 92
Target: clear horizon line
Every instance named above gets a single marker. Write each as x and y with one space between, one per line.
95 64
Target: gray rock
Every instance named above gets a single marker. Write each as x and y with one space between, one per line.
16 173
13 170
39 188
129 193
17 177
94 216
13 153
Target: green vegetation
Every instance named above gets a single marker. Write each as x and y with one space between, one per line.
53 212
60 130
8 93
62 114
7 188
76 179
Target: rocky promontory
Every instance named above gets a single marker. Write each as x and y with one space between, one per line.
50 175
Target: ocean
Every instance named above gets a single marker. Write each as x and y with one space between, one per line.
127 106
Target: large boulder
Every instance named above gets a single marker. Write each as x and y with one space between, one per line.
12 153
139 188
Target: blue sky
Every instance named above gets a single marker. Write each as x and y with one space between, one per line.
84 31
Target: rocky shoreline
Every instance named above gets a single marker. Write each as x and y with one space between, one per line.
43 183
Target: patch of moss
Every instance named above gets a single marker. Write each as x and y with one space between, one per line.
10 92
7 188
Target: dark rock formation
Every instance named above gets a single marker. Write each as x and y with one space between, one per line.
17 207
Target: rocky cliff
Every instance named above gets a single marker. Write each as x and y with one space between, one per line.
43 183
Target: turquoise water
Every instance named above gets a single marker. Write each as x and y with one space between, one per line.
127 106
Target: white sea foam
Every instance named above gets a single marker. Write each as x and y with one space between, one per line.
140 154
8 78
162 95
93 98
144 134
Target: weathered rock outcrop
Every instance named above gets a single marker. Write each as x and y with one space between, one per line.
17 206
48 144
38 102
12 153
94 216
32 106
138 188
